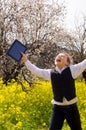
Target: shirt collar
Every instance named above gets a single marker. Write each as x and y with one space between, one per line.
60 70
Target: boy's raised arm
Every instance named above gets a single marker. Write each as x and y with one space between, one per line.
44 73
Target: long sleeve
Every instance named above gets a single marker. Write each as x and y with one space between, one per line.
77 69
44 73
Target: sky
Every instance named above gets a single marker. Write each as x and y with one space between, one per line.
76 9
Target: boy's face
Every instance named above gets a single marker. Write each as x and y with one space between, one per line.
61 60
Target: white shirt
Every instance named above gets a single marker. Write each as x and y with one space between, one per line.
76 70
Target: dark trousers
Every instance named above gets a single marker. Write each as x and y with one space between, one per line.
70 113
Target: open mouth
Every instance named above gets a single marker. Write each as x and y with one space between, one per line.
58 60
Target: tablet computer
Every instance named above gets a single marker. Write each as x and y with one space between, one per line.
15 50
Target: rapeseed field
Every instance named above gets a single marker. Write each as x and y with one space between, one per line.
29 108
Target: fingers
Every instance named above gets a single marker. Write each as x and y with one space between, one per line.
24 57
22 53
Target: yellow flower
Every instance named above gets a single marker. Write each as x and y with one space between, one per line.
18 125
1 98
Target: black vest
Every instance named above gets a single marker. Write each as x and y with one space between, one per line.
63 85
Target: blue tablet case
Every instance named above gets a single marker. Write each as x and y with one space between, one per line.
15 50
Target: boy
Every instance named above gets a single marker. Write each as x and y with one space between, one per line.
63 85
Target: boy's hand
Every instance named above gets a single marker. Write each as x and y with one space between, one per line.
24 57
